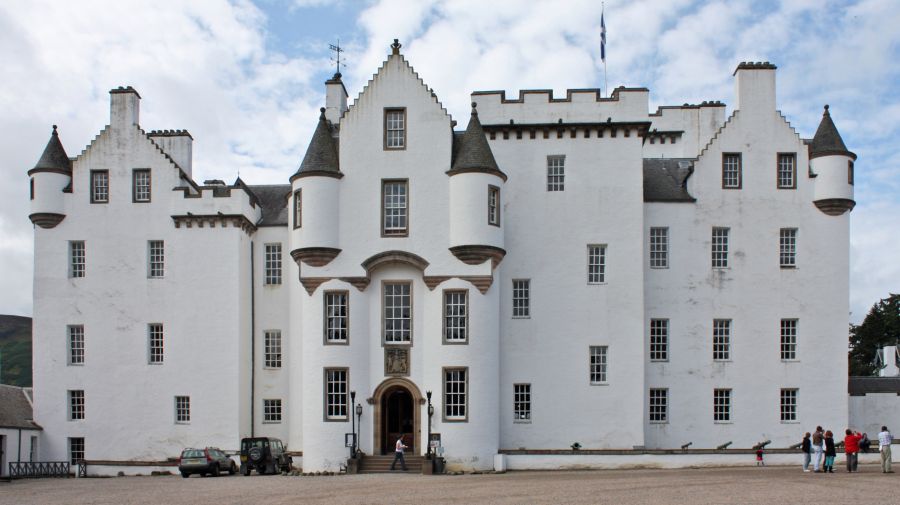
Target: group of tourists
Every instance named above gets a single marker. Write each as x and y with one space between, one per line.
821 444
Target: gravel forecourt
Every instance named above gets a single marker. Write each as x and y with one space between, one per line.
769 485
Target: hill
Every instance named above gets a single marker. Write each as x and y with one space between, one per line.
15 350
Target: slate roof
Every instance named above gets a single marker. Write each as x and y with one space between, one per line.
322 153
859 386
472 151
827 140
54 157
15 409
665 179
272 199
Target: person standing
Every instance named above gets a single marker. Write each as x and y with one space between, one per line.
830 452
884 445
851 449
818 441
398 453
806 447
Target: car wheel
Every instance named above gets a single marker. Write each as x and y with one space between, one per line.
215 470
185 475
245 470
232 468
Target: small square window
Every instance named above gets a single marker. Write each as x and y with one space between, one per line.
272 411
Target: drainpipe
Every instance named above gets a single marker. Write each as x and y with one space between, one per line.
19 452
252 343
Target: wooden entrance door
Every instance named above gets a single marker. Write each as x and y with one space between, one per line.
397 419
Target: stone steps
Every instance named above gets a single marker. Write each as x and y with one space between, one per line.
382 464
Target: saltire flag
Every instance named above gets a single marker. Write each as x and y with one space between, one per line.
602 38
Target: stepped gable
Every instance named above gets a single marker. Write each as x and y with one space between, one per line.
322 155
15 409
665 179
472 153
827 140
395 51
54 158
272 199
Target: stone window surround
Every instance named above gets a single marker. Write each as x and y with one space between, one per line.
793 170
96 177
404 129
494 205
298 208
345 394
346 317
384 341
465 322
727 158
464 394
398 232
135 172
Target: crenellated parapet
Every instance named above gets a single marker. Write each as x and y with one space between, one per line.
579 106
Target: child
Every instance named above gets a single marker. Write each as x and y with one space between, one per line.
830 453
759 457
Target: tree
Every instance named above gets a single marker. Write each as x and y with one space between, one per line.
880 327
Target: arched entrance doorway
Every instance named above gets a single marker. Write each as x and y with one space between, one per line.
397 403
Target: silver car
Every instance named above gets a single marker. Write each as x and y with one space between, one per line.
209 461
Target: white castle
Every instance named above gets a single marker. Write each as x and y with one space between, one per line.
574 269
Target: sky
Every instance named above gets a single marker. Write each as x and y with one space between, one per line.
246 79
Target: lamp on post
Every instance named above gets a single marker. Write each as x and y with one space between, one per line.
358 421
430 413
353 423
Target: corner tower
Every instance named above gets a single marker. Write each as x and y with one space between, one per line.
314 200
50 178
832 165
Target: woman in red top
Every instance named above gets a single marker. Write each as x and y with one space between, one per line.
851 449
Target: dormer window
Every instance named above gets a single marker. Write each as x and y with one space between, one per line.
395 128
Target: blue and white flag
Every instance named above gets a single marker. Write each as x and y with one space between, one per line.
602 38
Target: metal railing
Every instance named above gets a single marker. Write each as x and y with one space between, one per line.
38 469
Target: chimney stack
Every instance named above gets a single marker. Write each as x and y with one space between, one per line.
124 107
754 86
335 99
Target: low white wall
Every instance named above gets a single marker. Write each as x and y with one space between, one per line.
625 461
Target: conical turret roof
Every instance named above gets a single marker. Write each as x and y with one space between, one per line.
474 153
827 140
321 156
54 158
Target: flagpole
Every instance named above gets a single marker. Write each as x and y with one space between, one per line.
603 45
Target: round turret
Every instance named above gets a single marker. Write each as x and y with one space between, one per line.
832 165
50 178
314 200
476 192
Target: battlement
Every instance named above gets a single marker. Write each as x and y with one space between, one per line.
539 106
170 133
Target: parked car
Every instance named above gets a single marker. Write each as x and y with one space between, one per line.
205 461
265 455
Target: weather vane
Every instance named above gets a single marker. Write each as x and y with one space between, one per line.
337 56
